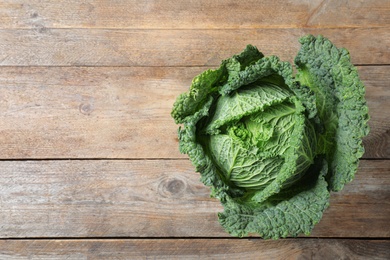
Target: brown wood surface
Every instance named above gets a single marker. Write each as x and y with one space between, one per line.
111 112
157 198
172 47
203 14
89 161
195 249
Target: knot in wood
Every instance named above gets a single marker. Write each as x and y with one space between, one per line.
171 187
85 108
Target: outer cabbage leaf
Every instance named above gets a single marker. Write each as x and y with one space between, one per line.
210 81
328 72
293 211
260 69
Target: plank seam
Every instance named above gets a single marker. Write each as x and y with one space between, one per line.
157 66
270 27
128 159
190 238
93 159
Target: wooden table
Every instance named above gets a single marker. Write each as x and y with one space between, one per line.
89 160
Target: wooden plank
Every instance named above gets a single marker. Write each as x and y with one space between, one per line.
193 14
355 207
123 112
89 112
157 198
109 47
195 249
377 143
105 198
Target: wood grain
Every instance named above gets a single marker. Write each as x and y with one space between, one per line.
110 47
195 249
89 112
157 198
201 14
377 143
123 112
95 80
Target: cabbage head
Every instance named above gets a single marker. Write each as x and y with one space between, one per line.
272 144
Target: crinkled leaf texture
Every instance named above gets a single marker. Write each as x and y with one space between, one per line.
289 213
263 139
328 72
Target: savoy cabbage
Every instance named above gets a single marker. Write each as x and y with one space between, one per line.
272 144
